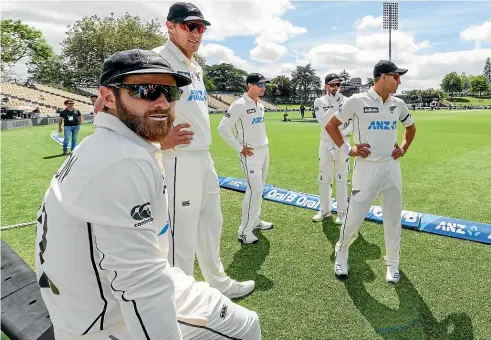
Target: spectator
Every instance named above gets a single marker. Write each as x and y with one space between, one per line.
302 110
72 118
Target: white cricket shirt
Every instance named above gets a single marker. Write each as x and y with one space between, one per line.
375 122
192 108
246 118
98 256
324 108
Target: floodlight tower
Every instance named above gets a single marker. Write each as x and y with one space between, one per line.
391 20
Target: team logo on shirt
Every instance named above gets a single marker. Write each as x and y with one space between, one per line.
227 114
392 108
186 203
141 213
223 312
251 111
382 125
370 109
257 120
198 95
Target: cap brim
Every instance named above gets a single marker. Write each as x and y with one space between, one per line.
401 71
180 79
193 18
334 80
264 81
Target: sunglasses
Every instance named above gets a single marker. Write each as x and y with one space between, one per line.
396 76
191 26
69 103
335 85
151 91
261 85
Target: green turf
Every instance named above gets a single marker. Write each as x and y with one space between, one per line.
444 293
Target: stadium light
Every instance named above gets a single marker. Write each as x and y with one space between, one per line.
391 20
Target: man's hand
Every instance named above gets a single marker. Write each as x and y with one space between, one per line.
360 150
60 130
247 151
177 137
398 152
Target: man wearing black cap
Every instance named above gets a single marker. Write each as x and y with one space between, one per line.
193 184
330 156
246 117
101 240
377 170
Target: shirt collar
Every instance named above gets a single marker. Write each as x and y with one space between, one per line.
110 122
177 52
375 96
249 99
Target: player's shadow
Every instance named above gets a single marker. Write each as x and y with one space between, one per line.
412 320
248 261
56 156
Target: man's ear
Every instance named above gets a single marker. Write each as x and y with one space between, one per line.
170 26
108 97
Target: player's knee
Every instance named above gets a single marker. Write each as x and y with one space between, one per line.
341 176
254 330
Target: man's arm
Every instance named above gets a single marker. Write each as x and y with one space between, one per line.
408 123
119 205
60 121
177 136
343 114
80 117
234 112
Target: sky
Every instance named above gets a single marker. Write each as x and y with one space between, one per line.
274 36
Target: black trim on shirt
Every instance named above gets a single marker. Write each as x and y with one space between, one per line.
408 115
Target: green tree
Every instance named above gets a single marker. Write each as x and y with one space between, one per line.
466 82
209 84
200 59
452 83
479 84
284 85
487 69
92 39
370 81
21 41
226 77
271 90
305 80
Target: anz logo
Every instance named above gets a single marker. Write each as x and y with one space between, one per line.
257 120
382 125
198 95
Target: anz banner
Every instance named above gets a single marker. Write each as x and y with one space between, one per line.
478 232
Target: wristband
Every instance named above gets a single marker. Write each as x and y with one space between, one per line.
345 148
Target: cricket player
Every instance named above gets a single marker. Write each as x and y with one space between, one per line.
101 241
377 170
330 156
194 191
246 117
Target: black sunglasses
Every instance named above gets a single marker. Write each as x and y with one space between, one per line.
150 91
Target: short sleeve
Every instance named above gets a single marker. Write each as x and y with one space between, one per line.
404 116
346 111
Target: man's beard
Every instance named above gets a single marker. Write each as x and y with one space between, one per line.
144 126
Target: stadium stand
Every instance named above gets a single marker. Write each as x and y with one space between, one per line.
228 99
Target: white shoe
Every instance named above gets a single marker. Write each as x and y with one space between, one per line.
264 225
247 237
341 264
393 275
240 289
320 216
340 218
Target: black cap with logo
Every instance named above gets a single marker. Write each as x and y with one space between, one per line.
185 11
332 77
256 78
125 63
386 66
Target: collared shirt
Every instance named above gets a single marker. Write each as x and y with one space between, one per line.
246 118
192 108
375 122
324 108
99 257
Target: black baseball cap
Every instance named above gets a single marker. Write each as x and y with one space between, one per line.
256 78
331 77
386 66
185 11
137 61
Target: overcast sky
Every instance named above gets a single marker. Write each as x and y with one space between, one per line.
274 36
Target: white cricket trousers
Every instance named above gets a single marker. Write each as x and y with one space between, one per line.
203 313
333 159
255 169
370 179
195 217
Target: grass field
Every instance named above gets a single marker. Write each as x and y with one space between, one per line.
444 291
469 101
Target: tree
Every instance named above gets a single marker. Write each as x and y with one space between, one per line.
209 84
200 59
284 85
466 82
19 41
226 77
92 39
305 80
452 83
370 82
479 84
487 70
271 90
